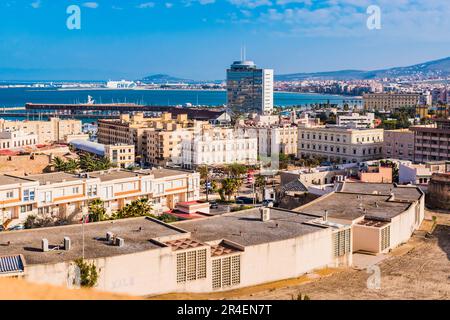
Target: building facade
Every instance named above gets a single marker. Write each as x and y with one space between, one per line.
399 144
432 142
219 146
390 101
249 89
340 144
17 139
54 130
274 139
63 195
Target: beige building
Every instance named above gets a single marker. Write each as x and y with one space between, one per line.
148 257
390 101
62 195
121 155
399 144
54 130
340 144
156 140
432 142
17 139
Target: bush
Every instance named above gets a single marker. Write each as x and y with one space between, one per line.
88 273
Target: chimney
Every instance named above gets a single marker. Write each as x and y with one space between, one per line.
265 214
44 245
67 243
325 217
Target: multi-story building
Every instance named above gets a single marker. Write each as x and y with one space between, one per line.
145 256
63 195
156 140
432 142
274 139
356 120
121 155
390 101
249 89
340 144
54 130
218 146
16 139
420 174
399 144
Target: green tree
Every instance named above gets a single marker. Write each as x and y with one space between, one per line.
230 187
137 208
236 170
59 164
260 183
88 273
97 211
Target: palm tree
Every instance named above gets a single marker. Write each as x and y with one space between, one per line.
97 211
59 164
230 186
137 208
72 165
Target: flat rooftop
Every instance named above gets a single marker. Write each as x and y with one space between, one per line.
54 177
114 175
136 233
246 228
402 193
350 206
6 180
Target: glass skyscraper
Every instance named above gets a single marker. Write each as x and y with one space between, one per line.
249 89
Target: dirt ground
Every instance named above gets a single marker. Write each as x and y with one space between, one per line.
419 269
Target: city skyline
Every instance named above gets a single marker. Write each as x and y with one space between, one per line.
198 39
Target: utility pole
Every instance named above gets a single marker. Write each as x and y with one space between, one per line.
207 183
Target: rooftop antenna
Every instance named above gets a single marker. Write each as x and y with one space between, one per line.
245 53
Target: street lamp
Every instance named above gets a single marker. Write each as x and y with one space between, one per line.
84 213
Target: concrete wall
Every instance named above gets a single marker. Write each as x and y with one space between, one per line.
439 191
154 271
366 238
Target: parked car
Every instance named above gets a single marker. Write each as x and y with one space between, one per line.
244 200
17 227
214 205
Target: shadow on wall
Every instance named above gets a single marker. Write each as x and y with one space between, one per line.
442 233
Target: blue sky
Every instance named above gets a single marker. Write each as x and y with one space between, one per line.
198 39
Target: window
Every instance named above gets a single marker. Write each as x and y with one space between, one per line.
191 265
385 238
226 272
341 242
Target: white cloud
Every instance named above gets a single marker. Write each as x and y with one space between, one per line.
169 5
251 3
91 5
36 4
146 5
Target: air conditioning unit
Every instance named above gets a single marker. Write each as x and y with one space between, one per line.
67 243
44 245
265 214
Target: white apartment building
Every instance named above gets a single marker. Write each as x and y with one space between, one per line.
340 144
63 195
274 139
16 139
356 120
218 146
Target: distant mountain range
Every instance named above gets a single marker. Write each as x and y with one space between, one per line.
426 70
431 69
